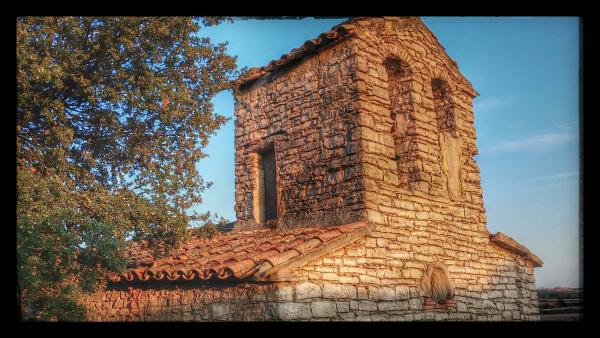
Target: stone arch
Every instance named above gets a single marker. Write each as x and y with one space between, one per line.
400 86
437 284
456 86
443 105
435 72
399 77
393 50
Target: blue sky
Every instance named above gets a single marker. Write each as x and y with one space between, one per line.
526 115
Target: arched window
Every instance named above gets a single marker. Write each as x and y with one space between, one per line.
401 110
450 145
443 106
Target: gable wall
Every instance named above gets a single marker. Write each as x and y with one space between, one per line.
417 223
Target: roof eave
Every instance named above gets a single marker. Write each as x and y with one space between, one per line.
337 34
508 243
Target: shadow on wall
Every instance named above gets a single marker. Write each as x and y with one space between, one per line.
509 293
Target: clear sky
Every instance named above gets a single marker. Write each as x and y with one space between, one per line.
526 71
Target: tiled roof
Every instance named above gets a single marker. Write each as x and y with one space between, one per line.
236 255
510 244
336 33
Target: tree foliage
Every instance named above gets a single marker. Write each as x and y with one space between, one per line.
112 117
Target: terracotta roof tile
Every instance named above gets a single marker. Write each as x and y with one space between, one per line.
236 255
308 245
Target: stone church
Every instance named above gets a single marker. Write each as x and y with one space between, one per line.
357 198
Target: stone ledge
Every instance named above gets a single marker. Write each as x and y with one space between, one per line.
508 243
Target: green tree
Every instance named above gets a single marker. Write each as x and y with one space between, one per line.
112 117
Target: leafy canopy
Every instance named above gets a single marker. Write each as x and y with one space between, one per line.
112 117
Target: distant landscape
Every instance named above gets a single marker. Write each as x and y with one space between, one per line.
560 304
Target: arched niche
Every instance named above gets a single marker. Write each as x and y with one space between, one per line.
443 105
450 143
436 283
400 79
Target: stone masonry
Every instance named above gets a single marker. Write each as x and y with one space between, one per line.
370 122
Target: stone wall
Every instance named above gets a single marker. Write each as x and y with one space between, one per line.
490 284
262 302
308 112
422 223
187 302
312 299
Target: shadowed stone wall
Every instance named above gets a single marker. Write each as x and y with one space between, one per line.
308 112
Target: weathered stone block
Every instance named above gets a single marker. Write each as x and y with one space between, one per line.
308 290
415 304
342 306
367 305
187 317
220 311
291 311
333 291
362 292
402 292
281 293
323 309
391 306
258 297
369 280
386 293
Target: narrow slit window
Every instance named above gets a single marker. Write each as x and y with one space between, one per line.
270 202
265 204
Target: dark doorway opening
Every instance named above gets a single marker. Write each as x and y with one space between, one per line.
267 158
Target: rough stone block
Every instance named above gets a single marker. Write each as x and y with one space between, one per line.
402 292
220 311
291 311
415 304
390 306
386 293
308 290
323 309
333 291
342 306
367 305
369 280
